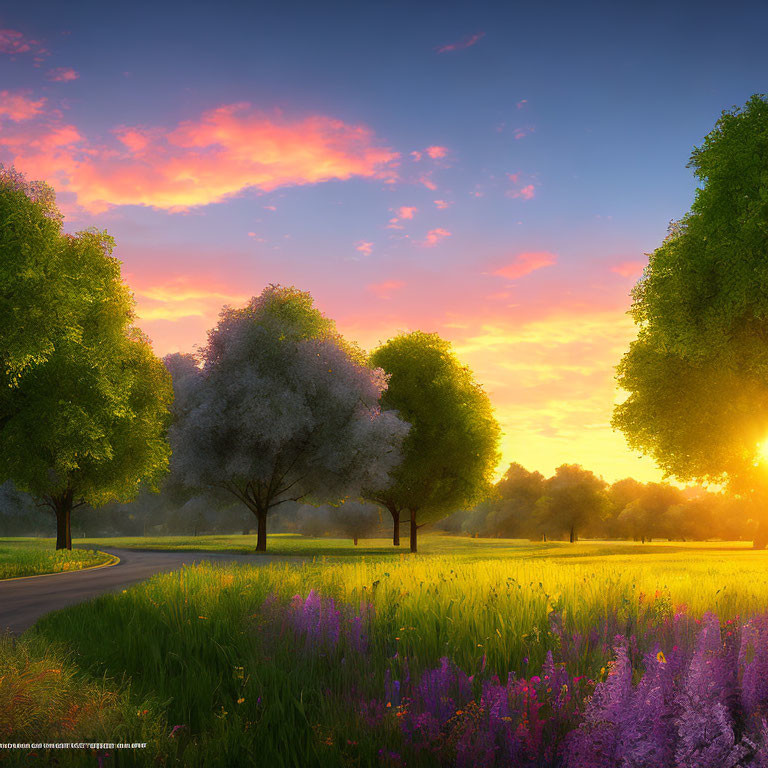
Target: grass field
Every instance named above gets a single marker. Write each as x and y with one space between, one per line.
33 557
220 666
429 544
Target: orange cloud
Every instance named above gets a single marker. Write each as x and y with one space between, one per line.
226 151
18 106
384 290
364 247
467 42
62 75
434 236
181 298
629 268
436 152
525 263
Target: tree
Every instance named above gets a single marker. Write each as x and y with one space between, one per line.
355 518
86 421
697 374
646 517
573 499
282 409
620 495
451 450
514 511
36 298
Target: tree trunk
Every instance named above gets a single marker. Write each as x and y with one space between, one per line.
396 526
414 531
543 536
760 536
573 534
62 506
355 540
261 534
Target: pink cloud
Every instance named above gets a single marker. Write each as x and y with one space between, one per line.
521 104
416 155
434 236
207 160
467 42
364 247
629 268
442 204
436 152
62 75
135 139
521 133
528 192
386 289
428 183
18 106
13 42
525 263
406 212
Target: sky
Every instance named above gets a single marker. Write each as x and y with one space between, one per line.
494 172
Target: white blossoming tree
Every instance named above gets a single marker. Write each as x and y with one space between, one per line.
282 409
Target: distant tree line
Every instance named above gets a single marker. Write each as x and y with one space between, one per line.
575 503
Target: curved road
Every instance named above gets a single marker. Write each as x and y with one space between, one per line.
24 601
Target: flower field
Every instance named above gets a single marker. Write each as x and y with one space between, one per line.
549 658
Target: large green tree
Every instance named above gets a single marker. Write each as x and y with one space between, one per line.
697 374
84 409
451 450
36 300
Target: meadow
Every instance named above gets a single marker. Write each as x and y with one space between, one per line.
34 557
387 660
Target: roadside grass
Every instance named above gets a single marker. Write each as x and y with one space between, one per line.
34 557
44 698
243 688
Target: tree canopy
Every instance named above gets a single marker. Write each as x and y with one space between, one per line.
451 450
573 498
282 409
697 374
85 408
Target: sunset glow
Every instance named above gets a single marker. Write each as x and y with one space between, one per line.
463 186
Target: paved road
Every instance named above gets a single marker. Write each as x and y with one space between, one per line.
24 601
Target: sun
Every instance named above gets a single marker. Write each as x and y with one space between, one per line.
762 452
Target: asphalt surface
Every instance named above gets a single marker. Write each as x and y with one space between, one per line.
24 601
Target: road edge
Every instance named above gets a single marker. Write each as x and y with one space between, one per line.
114 560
